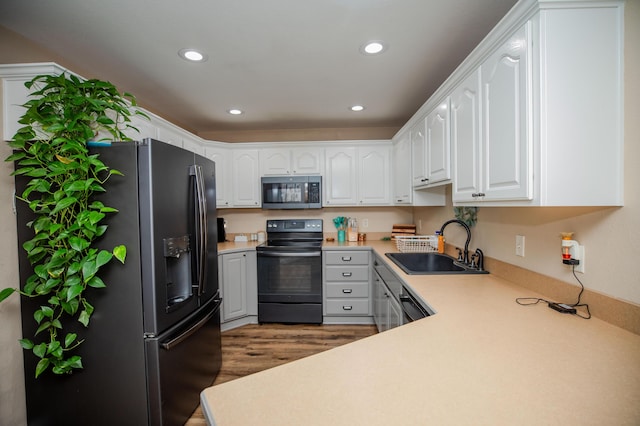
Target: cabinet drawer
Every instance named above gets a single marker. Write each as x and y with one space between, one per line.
353 273
348 290
347 257
347 307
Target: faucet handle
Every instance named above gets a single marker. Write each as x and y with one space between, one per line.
460 257
474 256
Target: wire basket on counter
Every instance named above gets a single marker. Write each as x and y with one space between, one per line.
417 243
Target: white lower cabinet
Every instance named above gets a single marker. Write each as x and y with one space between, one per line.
387 312
346 286
237 275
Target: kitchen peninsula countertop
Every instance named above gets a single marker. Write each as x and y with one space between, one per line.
482 359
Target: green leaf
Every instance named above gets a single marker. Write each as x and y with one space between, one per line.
42 366
44 326
38 315
69 339
78 244
74 291
64 203
84 318
96 282
95 217
26 344
47 311
120 252
6 293
89 269
40 350
103 258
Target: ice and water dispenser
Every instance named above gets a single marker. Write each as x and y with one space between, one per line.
177 257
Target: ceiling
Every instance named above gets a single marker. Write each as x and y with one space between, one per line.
288 64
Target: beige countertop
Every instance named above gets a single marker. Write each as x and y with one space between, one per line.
482 359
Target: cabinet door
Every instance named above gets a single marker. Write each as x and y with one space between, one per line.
419 154
223 175
306 161
341 177
246 178
275 162
438 143
507 142
402 187
234 286
379 303
394 314
465 138
374 182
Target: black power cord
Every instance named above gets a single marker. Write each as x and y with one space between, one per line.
561 307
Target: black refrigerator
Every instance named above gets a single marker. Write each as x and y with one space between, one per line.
153 343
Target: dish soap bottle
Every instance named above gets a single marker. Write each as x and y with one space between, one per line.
440 242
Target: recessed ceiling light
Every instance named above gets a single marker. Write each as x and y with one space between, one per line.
356 108
235 111
374 47
192 55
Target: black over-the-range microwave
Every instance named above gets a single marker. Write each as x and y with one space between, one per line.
292 192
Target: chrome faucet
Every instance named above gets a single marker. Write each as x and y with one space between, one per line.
466 244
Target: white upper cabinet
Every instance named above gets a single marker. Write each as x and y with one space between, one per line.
493 156
340 180
374 182
358 175
506 124
537 110
295 161
419 154
438 144
465 138
402 179
220 156
245 179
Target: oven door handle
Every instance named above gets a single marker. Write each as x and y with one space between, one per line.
289 254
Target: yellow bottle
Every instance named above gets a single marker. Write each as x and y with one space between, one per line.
440 243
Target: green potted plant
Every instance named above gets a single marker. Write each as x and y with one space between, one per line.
52 154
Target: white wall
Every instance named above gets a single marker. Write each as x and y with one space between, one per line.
611 236
12 403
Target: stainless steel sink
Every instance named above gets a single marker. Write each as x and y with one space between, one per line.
431 264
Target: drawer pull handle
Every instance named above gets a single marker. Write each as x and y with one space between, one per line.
347 290
347 308
346 258
346 274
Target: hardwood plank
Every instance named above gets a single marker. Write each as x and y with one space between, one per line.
256 347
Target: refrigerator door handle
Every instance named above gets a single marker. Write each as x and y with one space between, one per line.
190 331
201 226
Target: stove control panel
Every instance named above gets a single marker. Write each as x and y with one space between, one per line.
294 225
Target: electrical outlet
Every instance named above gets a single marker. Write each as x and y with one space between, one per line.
520 245
365 223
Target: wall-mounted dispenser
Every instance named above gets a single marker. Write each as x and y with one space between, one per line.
572 252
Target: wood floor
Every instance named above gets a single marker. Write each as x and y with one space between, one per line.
253 348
